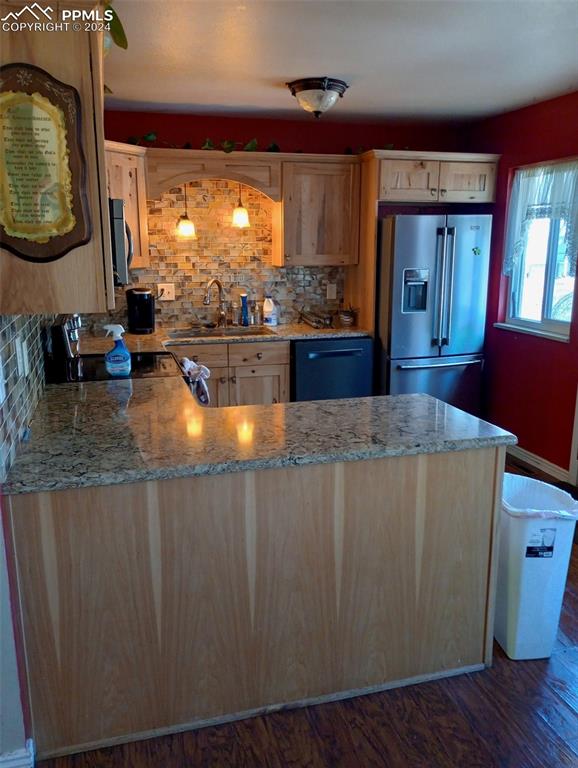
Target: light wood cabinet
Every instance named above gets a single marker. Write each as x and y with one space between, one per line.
260 353
320 214
218 386
167 168
126 179
409 180
251 373
211 355
421 180
82 279
259 385
467 182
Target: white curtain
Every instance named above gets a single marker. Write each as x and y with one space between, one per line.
542 191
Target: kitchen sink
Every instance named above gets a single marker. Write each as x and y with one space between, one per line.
204 333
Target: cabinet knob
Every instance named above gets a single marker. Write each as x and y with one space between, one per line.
223 379
287 257
274 400
253 371
443 192
233 379
259 355
433 192
245 359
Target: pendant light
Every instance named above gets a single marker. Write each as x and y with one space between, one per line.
185 227
240 214
317 94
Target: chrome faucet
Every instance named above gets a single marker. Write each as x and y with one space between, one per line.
222 322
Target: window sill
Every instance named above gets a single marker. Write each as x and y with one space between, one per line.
532 332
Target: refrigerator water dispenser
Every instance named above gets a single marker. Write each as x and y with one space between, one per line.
414 294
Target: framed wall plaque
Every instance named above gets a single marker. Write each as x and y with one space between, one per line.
43 205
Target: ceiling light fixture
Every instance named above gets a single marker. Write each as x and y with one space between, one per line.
317 94
240 214
185 227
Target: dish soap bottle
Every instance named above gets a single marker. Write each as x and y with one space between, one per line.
269 311
117 361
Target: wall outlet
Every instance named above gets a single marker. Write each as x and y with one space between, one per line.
166 291
331 291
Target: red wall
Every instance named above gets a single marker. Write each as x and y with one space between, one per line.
306 134
531 381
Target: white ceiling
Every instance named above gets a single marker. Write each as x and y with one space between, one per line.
402 58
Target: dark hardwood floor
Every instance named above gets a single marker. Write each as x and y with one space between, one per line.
518 714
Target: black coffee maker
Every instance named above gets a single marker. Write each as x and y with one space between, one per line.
141 310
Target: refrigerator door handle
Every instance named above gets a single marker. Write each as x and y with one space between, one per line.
437 365
450 292
440 285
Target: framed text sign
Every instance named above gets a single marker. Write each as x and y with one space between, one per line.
43 205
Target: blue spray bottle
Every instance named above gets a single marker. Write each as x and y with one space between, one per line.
117 361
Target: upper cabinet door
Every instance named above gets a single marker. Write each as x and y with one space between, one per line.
320 214
126 179
467 182
80 280
409 180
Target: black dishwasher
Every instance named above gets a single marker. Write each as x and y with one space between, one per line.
325 370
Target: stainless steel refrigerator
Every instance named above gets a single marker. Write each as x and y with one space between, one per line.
431 310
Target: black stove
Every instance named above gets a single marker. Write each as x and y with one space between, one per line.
144 365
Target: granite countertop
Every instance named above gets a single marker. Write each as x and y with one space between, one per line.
104 433
91 344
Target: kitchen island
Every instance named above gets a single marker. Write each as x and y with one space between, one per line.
179 566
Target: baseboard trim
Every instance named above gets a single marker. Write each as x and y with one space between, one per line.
196 724
558 473
21 758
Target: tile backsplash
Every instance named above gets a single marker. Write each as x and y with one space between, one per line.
22 391
240 258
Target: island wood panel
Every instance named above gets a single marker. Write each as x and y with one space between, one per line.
155 606
82 279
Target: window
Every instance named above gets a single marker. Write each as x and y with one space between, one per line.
541 245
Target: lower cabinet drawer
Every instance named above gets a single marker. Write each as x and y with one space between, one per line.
211 355
259 353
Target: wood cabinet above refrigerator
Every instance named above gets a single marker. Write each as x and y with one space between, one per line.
428 177
81 279
401 178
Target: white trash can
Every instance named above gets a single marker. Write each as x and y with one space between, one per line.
537 530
